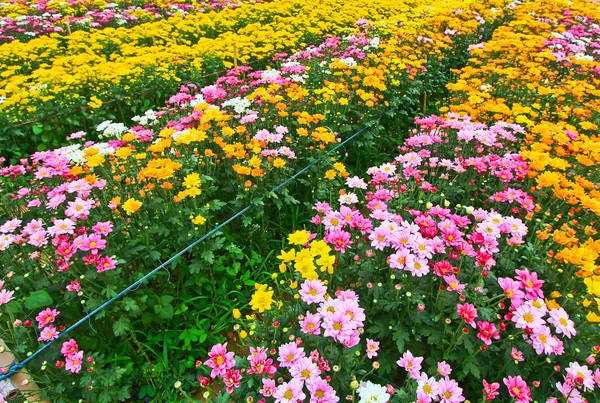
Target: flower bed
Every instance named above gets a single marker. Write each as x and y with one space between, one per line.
84 221
25 20
53 86
549 83
411 287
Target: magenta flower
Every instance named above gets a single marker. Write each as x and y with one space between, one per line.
106 263
454 284
49 333
518 389
73 362
468 313
103 228
516 355
74 286
487 331
260 364
530 282
512 289
46 317
220 360
268 387
340 239
93 243
69 347
232 379
490 390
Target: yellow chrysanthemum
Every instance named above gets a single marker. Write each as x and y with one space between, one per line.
131 206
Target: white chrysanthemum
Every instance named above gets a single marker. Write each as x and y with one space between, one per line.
239 105
372 393
270 75
198 99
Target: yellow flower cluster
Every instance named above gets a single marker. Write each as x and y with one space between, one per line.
307 260
89 68
511 79
223 150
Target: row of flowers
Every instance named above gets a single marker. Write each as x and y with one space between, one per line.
543 71
82 74
75 216
24 21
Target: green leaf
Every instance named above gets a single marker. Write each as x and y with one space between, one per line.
154 254
208 256
37 128
14 307
121 326
38 299
400 337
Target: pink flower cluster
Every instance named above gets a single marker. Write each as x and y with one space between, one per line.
581 40
44 319
69 204
73 356
340 318
578 378
304 372
444 390
48 20
528 311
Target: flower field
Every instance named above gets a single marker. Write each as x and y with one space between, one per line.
99 75
284 201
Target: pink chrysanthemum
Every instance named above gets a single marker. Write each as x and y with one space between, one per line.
73 362
313 291
220 360
289 392
518 389
46 317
